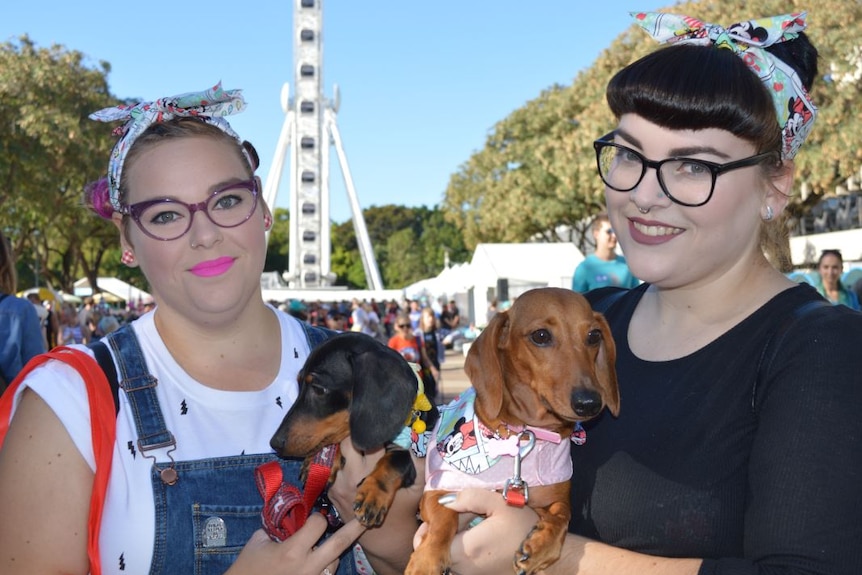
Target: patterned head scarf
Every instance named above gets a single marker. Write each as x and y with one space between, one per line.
209 106
793 107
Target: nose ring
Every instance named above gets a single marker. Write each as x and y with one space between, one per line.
643 211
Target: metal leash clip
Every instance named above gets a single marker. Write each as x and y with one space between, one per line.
516 492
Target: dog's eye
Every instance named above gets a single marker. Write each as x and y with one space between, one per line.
541 337
318 389
594 337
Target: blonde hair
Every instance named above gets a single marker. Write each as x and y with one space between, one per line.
427 312
775 243
174 129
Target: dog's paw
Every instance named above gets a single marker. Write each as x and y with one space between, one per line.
423 563
537 551
372 502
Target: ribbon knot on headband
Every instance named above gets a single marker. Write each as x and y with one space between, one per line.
209 105
793 106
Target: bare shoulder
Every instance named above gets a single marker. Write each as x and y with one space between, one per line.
42 474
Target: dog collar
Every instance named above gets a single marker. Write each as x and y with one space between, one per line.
421 406
417 428
515 430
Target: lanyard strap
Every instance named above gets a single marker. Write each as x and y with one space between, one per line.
285 508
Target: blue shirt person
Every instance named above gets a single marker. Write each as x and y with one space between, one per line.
605 267
20 330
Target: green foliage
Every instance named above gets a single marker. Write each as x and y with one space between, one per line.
278 246
48 151
409 244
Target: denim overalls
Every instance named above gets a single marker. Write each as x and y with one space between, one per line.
206 516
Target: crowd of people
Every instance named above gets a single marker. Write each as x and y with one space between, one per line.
412 327
737 446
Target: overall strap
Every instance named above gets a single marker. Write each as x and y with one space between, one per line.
316 335
106 362
140 388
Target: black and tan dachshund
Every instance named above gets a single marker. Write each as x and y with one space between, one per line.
352 384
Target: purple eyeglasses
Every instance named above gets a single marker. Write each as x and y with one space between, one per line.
167 219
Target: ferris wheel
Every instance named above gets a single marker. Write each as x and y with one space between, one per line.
310 128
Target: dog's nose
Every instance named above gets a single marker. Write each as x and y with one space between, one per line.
586 402
277 443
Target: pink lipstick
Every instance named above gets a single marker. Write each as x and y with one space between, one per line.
212 268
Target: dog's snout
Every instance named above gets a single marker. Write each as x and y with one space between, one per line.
277 443
586 402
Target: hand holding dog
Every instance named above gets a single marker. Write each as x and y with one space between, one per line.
387 547
298 555
477 550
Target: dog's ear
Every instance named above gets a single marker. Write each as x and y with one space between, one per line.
484 365
606 372
384 389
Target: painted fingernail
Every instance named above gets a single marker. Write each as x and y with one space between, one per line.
447 499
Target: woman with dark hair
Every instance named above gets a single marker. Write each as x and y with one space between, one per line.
830 266
737 448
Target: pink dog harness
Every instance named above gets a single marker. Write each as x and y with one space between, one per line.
463 452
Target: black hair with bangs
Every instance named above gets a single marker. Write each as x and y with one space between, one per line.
694 87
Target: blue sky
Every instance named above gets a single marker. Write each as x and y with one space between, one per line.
421 83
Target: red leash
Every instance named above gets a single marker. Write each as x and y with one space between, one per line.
285 508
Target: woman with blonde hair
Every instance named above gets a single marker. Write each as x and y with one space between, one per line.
206 378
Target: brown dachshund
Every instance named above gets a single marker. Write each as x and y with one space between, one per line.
352 384
544 365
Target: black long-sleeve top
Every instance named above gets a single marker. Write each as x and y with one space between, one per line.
747 453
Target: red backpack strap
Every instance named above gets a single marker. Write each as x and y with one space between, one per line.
103 423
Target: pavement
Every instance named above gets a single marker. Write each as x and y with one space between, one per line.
453 380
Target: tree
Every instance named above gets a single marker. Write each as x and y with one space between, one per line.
49 149
409 244
278 246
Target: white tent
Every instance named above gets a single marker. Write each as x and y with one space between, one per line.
496 268
117 287
504 271
452 280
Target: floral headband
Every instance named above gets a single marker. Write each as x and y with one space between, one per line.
793 107
209 105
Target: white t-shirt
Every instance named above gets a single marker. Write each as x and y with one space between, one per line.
206 423
361 322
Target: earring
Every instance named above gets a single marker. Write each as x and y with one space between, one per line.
267 222
128 257
769 214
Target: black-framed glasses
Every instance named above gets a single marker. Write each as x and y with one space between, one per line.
686 181
167 219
